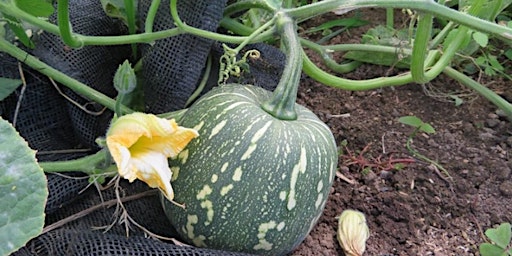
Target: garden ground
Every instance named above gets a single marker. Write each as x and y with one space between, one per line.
417 209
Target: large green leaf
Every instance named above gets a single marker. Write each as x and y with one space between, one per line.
7 86
382 35
23 191
38 8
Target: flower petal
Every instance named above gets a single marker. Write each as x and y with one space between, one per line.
170 145
153 168
140 145
127 129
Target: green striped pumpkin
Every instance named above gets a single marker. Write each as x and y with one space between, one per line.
250 182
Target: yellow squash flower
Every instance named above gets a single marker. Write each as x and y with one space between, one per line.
140 145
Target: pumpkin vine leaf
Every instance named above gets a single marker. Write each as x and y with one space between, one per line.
37 8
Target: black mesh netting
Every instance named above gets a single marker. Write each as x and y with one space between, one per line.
173 66
61 124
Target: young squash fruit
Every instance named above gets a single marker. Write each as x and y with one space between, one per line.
257 178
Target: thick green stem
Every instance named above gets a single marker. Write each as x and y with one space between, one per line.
282 103
448 53
439 38
58 76
420 48
324 52
427 6
66 32
208 34
390 17
88 164
484 91
150 19
244 5
352 85
82 40
323 77
236 27
130 16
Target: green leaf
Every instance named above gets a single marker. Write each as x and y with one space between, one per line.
487 249
493 61
417 123
411 121
379 58
19 31
7 86
500 235
427 128
458 101
23 191
116 9
38 8
382 35
481 61
481 38
508 54
489 71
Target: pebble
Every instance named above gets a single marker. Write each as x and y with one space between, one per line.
385 175
493 116
509 141
506 188
491 123
432 143
505 173
501 113
369 177
467 127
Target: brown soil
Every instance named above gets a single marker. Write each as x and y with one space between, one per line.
417 210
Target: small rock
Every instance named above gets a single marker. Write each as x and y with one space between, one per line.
384 189
360 93
509 141
385 175
491 123
505 173
432 143
506 188
344 169
493 116
369 177
349 106
501 113
467 127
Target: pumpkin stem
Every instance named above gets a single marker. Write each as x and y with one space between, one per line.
282 103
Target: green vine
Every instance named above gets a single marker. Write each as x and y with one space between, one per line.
230 66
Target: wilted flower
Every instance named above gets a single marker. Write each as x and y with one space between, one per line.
140 145
352 232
